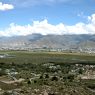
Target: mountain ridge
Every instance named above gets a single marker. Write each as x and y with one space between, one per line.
64 42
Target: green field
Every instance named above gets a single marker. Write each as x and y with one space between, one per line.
45 57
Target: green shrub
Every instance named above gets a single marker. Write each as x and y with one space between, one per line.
54 78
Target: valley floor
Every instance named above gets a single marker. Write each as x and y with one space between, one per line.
47 73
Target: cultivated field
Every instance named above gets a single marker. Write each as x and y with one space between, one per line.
41 57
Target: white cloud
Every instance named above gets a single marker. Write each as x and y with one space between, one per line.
93 18
4 7
45 28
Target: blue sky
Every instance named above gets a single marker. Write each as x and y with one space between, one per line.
25 12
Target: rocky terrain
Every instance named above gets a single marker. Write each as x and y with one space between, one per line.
46 73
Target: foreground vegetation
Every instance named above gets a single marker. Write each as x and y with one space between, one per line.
47 73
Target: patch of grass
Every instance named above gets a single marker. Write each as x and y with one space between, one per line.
45 57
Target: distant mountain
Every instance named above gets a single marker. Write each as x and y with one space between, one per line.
64 42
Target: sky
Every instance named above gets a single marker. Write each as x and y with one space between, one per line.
24 17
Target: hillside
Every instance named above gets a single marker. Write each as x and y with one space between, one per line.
64 42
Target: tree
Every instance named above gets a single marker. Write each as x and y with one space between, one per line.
54 78
28 82
46 76
80 71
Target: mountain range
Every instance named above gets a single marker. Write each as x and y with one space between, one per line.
83 42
